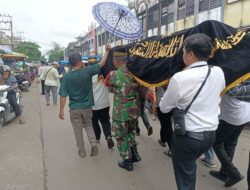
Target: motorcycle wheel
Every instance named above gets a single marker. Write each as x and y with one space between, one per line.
1 119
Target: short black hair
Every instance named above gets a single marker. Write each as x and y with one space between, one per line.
75 58
200 44
43 62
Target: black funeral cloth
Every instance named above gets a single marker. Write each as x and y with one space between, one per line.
154 60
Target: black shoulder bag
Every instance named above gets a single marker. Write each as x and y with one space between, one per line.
179 114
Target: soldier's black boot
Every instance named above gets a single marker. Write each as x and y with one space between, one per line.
126 164
135 155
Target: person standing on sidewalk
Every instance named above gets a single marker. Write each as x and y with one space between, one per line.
77 84
201 119
235 115
51 77
126 109
41 71
100 111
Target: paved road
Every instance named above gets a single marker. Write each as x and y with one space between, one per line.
42 155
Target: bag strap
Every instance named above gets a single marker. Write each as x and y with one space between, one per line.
47 73
198 92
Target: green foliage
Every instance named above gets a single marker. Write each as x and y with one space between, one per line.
56 54
30 49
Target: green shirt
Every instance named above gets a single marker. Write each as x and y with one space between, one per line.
77 84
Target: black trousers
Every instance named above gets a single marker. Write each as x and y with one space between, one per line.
11 96
144 117
104 118
185 152
166 132
43 86
224 147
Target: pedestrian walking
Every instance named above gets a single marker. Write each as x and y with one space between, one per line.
208 159
41 71
235 115
142 97
77 84
194 96
100 111
51 77
166 131
126 109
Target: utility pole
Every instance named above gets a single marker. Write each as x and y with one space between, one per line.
20 36
11 37
160 17
196 11
7 19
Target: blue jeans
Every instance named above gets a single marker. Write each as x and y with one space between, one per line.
209 155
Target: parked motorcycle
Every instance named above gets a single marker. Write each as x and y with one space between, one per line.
23 82
7 113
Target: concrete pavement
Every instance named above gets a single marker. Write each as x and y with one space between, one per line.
42 155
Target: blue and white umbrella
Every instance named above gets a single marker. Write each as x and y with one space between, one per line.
118 20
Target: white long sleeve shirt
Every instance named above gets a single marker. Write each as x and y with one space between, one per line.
51 76
233 111
101 94
204 112
41 72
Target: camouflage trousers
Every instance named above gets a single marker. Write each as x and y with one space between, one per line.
123 131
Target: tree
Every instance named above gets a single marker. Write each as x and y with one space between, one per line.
56 54
30 49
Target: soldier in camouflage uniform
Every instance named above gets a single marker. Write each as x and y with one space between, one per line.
126 109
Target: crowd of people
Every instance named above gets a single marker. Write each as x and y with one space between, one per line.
195 120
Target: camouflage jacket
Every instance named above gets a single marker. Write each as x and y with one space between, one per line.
126 105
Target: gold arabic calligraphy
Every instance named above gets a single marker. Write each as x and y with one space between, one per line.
155 49
230 41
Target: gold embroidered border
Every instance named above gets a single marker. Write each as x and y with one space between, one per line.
165 82
143 83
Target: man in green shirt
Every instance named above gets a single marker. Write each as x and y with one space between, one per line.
77 84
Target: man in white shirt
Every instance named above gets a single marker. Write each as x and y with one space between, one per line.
41 70
51 77
202 118
235 115
100 111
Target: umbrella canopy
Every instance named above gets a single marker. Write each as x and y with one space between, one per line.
64 62
118 20
21 64
85 58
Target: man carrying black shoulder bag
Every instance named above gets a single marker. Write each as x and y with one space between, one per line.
194 96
